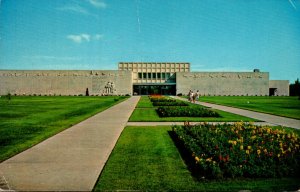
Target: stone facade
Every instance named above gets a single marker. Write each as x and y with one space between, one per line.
223 83
279 87
65 82
141 79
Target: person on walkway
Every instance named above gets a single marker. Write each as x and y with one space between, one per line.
191 96
194 97
197 95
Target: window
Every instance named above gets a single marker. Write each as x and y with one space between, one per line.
149 75
140 75
144 75
163 75
167 75
154 75
158 75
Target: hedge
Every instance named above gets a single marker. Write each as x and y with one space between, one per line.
186 111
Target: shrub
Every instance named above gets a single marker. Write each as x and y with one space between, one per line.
240 150
189 111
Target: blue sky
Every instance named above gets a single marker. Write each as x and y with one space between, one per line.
213 35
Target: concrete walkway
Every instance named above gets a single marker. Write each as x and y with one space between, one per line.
71 160
272 119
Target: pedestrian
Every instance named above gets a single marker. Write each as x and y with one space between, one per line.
197 95
194 97
191 96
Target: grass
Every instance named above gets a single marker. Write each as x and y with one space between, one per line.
144 102
282 106
145 112
26 121
145 158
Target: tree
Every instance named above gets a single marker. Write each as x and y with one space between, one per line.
295 88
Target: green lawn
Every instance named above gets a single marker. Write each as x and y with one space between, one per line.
144 102
145 112
282 106
26 121
145 158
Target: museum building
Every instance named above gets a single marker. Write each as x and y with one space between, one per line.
140 78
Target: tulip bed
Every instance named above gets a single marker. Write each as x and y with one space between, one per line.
172 108
239 150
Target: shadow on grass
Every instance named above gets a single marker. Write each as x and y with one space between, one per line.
187 157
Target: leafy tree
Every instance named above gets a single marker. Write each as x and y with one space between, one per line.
295 88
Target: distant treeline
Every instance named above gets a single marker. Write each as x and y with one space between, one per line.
295 88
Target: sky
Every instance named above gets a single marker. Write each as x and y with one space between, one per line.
212 35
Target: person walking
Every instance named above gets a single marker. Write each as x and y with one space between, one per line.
197 95
191 96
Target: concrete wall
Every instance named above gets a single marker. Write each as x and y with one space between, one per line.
223 83
282 87
69 82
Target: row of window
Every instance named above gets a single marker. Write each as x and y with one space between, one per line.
154 75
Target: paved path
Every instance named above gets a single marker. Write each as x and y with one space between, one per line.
71 160
272 119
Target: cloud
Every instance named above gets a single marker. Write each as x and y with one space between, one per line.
51 58
77 9
74 8
97 3
84 37
98 37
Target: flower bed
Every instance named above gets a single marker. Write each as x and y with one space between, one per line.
175 103
240 150
161 99
188 111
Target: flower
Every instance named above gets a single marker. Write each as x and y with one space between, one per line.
258 151
249 147
241 147
247 152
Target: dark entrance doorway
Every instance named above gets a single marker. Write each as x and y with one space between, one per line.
154 89
272 91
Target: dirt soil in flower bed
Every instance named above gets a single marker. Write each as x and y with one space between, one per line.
239 150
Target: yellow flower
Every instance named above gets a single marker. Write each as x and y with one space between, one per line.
278 155
241 147
265 150
197 159
247 152
258 151
249 147
234 142
209 159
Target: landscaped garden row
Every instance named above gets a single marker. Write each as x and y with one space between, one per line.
240 150
173 108
146 112
146 159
